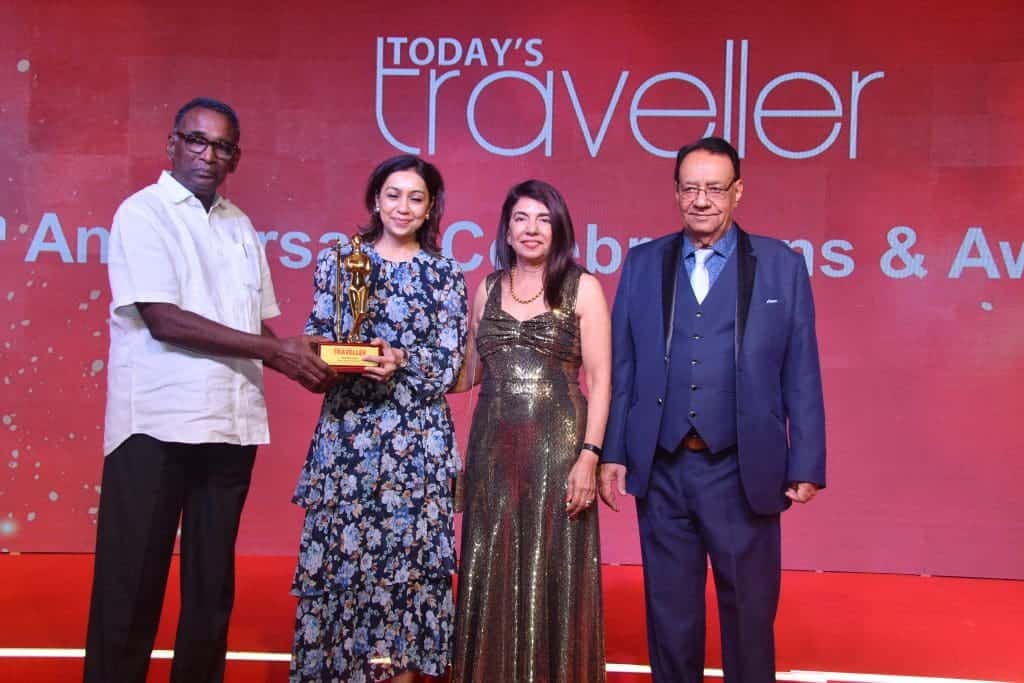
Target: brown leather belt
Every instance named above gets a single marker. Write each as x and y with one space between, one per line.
693 442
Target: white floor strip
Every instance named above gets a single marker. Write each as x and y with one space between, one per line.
814 676
796 676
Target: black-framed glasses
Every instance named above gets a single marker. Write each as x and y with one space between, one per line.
197 144
715 193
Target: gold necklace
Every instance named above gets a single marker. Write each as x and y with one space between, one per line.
512 290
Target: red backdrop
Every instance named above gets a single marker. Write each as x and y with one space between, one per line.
882 139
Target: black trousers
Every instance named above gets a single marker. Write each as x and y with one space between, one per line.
148 485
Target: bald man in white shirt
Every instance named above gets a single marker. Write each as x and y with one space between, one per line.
191 289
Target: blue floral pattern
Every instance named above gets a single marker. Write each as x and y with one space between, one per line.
377 552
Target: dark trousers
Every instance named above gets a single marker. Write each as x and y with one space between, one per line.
695 508
147 486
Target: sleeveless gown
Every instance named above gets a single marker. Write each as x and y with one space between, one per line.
529 587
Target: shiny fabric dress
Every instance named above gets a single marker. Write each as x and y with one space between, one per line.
529 590
374 573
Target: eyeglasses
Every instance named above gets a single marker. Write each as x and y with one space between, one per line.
197 144
715 193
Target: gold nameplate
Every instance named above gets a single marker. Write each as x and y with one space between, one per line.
347 356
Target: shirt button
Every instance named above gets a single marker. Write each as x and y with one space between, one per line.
693 413
696 336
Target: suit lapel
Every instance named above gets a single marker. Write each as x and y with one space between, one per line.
669 285
747 268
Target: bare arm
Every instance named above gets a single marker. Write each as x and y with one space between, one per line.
595 336
292 356
472 368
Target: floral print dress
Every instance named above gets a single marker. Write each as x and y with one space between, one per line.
377 550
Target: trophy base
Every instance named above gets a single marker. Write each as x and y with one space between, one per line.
347 356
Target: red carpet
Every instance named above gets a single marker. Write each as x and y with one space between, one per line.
854 623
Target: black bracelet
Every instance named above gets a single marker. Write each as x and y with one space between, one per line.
596 450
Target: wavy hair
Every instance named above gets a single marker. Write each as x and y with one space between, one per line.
427 233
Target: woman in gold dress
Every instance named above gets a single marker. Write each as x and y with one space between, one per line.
529 589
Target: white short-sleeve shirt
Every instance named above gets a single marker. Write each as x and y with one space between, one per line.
166 248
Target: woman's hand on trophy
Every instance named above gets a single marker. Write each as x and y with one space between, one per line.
389 360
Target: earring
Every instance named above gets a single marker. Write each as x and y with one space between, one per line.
427 217
376 209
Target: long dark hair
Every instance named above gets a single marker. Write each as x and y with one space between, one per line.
428 232
560 259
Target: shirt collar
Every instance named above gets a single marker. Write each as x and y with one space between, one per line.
178 193
724 246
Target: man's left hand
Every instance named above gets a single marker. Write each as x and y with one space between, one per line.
611 484
802 491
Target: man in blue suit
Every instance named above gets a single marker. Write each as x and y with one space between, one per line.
717 420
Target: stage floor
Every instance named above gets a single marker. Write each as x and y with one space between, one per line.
846 628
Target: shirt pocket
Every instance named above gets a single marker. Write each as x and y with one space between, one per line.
244 263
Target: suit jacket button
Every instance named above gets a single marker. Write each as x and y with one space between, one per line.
660 401
693 413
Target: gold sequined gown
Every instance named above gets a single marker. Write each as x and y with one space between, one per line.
529 586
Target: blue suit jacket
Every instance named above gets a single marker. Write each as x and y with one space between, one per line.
779 407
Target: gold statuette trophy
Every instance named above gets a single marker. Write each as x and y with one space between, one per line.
347 356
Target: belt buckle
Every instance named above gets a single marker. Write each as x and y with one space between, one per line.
693 442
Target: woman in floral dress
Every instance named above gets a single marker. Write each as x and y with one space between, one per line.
377 550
